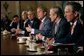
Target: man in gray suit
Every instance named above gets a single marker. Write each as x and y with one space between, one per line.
60 26
45 25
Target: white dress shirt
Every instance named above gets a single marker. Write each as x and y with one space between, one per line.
57 24
73 26
22 32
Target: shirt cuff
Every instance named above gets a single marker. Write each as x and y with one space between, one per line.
32 31
22 32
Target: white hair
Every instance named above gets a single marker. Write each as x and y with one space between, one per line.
24 12
54 10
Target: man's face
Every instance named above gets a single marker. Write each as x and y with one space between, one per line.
15 19
40 13
52 15
69 14
30 15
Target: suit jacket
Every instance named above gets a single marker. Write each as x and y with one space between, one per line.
35 25
45 28
62 30
14 25
75 37
80 41
23 28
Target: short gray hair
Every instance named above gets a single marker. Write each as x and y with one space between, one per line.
58 11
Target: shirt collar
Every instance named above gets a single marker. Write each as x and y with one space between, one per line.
43 19
25 20
58 20
73 23
31 21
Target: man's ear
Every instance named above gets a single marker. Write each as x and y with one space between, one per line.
55 15
45 13
76 13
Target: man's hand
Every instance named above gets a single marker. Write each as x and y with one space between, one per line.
13 30
18 31
50 40
39 36
29 28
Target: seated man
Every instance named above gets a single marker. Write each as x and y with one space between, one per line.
45 25
23 23
72 16
60 26
29 19
32 20
76 25
15 24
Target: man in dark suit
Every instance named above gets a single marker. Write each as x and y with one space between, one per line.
15 23
28 19
45 25
23 24
32 20
60 26
76 28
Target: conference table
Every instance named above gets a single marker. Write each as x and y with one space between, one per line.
9 46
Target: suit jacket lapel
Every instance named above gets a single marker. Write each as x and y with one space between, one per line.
58 26
44 23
